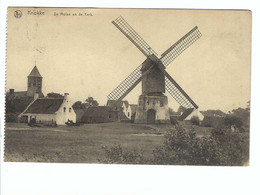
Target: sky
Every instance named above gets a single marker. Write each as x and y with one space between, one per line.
85 55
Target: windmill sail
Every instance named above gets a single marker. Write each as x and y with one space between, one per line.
176 49
128 84
121 89
133 36
179 95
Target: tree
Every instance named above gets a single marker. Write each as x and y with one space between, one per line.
242 113
91 102
231 120
195 120
181 109
54 95
78 105
172 112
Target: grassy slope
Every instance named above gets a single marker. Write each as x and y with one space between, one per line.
79 144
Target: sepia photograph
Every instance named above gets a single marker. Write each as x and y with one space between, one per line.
128 86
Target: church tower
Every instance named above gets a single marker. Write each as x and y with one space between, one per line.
34 84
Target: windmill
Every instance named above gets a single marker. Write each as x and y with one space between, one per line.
153 104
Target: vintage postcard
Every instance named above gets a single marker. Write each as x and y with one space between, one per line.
128 86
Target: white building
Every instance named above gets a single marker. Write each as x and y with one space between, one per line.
195 113
49 110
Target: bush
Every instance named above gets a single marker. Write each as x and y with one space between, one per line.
195 120
182 147
116 155
174 121
11 117
213 121
231 120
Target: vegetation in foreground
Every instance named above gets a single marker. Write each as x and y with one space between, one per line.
182 147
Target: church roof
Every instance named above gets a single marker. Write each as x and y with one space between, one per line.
35 72
45 106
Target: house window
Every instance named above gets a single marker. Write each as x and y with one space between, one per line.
34 83
161 103
109 116
69 109
128 114
64 109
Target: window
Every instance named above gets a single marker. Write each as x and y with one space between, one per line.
34 83
161 103
69 109
109 116
64 109
128 114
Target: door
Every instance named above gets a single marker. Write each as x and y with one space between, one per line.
151 116
32 119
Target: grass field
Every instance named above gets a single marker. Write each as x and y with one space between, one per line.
82 144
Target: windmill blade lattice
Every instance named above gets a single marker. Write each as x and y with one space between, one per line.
176 49
178 95
121 89
133 36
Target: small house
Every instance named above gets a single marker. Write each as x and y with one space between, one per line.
195 113
49 110
120 108
99 114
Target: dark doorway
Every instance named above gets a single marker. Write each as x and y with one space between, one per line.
151 116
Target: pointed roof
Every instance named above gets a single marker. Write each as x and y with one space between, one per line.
35 72
45 106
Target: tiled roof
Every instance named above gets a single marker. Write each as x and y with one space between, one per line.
45 106
97 111
35 72
17 94
117 103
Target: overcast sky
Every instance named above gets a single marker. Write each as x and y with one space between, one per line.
88 56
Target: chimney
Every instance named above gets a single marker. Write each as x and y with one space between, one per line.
11 91
66 96
36 96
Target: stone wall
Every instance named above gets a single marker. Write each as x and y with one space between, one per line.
158 103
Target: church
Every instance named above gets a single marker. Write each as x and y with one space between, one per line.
34 85
31 105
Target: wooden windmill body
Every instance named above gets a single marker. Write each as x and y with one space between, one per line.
153 103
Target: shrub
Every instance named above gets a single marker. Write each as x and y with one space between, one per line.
195 120
11 117
174 121
231 120
213 121
183 147
223 147
116 155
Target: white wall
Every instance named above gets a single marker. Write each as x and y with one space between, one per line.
196 113
61 116
41 117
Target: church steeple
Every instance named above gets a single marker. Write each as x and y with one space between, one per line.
34 84
35 72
